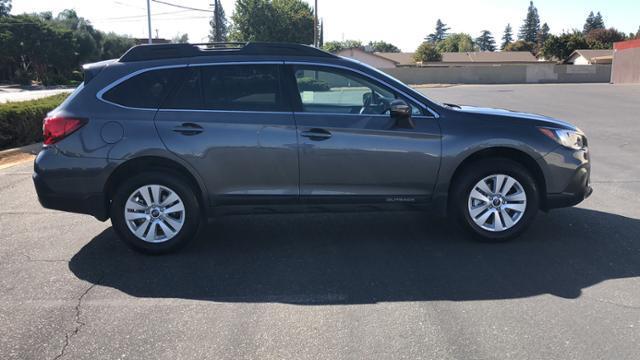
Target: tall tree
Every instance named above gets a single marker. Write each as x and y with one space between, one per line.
485 41
521 45
598 22
543 35
507 38
439 34
593 22
5 7
272 20
219 24
531 26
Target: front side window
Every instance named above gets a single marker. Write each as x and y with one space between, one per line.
336 91
144 90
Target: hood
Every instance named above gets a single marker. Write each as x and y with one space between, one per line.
540 119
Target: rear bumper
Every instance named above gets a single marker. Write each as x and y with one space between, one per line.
71 184
90 204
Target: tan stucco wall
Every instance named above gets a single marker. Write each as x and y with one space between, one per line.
367 58
503 74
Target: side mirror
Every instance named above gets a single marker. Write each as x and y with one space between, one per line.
401 112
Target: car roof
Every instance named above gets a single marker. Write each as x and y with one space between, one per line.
214 50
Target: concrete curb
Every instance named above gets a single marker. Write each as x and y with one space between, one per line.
32 149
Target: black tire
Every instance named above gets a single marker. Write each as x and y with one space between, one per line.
177 184
475 172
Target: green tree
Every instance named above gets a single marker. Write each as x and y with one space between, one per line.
381 46
458 42
507 38
426 52
272 20
560 47
321 35
521 45
531 27
114 45
543 35
439 34
485 41
333 46
593 22
180 39
604 38
218 23
5 7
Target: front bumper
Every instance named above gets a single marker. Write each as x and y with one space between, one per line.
579 188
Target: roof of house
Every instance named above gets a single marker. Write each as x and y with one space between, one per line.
400 58
349 52
489 57
590 54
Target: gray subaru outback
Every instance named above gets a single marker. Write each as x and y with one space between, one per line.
169 136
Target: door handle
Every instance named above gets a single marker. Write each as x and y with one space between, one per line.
188 129
316 134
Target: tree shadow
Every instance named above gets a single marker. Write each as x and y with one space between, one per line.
368 258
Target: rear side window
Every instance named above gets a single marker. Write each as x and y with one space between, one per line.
229 87
145 90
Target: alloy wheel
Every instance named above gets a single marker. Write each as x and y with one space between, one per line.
154 213
497 202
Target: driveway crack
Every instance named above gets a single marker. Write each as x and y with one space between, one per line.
77 320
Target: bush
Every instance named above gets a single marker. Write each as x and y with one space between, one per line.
427 52
21 122
311 84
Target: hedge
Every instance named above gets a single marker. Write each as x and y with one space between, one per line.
21 122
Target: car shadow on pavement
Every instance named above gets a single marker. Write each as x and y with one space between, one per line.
370 257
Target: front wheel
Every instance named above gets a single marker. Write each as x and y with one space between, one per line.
155 212
495 199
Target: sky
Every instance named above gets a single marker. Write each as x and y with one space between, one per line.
401 22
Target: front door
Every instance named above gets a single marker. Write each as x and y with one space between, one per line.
350 147
233 125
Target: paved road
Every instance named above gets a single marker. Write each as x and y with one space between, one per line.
352 286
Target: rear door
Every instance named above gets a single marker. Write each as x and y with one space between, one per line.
350 147
232 123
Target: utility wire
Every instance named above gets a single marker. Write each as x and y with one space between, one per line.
180 6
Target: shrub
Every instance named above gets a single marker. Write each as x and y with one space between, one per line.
311 84
21 122
427 52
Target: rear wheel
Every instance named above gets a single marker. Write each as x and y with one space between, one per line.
155 212
495 199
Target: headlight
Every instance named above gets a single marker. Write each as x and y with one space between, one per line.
567 138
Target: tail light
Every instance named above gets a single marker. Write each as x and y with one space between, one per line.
55 128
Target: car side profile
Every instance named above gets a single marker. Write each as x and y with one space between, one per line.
169 136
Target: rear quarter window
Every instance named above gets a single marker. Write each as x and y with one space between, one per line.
145 90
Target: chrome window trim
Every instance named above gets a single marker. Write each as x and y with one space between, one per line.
435 114
100 94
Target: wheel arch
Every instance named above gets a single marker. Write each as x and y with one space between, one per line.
155 163
515 155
